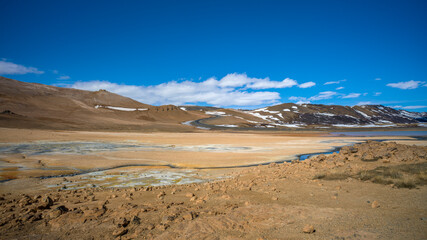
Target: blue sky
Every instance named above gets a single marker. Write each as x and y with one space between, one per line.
243 54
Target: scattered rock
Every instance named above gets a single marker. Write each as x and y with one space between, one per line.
375 204
26 200
308 229
189 215
162 227
45 203
148 226
167 219
58 211
189 195
136 220
120 232
161 195
123 222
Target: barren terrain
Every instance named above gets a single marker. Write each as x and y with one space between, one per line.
325 197
79 164
373 190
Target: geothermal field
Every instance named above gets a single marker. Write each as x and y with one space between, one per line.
168 172
126 185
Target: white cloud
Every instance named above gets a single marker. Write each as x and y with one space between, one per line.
13 68
406 85
293 98
352 95
364 103
409 107
322 96
64 77
319 96
307 85
234 89
378 79
238 80
266 83
339 88
235 80
377 94
211 91
334 82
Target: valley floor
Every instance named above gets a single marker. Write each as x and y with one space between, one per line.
374 190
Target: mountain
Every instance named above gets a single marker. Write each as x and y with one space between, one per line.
290 115
33 105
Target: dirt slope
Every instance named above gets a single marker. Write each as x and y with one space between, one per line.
32 105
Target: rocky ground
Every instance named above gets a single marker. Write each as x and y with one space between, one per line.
368 191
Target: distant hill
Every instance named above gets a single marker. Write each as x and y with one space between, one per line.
290 115
33 105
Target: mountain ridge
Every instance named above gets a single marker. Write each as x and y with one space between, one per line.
34 105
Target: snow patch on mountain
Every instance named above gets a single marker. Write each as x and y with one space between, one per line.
122 108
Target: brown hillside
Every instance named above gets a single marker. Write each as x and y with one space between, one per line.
33 105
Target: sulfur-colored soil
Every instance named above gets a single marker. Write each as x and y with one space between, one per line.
181 150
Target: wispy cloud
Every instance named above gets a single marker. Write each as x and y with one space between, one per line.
294 98
319 96
307 85
63 77
352 95
335 82
339 88
377 79
323 96
407 85
13 68
364 103
409 107
377 94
